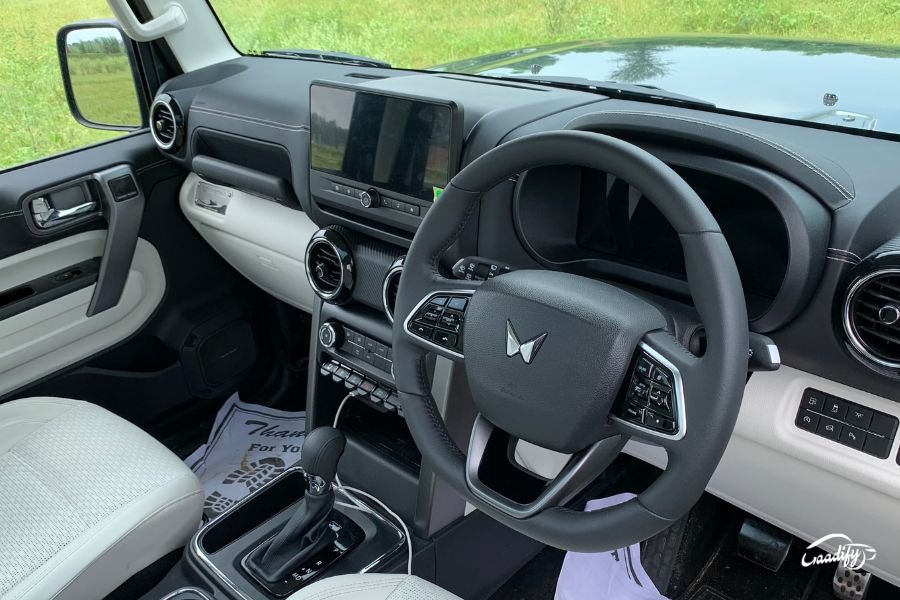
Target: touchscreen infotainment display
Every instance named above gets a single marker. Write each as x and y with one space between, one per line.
395 143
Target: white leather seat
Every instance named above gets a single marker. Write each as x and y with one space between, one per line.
373 587
86 500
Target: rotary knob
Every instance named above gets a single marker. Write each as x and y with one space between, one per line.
369 198
328 336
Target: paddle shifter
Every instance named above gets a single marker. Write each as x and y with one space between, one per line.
310 531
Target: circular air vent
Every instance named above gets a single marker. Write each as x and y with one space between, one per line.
166 124
872 316
329 266
390 286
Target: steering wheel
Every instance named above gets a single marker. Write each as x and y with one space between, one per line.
568 363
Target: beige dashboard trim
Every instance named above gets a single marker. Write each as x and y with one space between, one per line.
263 240
801 482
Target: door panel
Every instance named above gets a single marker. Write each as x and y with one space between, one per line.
138 358
58 333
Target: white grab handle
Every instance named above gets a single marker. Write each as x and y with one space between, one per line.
172 19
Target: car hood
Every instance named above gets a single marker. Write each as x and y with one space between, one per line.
850 85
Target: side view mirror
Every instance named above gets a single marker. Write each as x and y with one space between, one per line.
101 76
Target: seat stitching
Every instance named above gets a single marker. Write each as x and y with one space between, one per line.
809 165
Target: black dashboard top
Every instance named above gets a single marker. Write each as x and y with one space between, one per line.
821 200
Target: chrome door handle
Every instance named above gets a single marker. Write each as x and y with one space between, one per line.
46 216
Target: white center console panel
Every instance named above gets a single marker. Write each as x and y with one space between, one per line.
265 241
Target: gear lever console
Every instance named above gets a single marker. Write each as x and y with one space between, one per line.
316 535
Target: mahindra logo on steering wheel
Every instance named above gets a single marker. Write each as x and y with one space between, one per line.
528 349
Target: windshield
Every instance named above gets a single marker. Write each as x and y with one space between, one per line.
833 63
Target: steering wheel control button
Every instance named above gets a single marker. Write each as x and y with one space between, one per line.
650 397
848 423
421 330
639 390
634 412
644 367
447 340
662 378
439 319
458 303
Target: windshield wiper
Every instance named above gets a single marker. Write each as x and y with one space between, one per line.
337 57
613 88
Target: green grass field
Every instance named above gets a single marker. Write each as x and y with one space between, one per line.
408 33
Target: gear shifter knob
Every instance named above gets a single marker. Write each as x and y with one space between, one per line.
322 449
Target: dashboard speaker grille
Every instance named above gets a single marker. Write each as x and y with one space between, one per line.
873 317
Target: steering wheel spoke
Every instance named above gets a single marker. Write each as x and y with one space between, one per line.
437 320
489 462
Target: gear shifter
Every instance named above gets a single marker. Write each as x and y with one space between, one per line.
308 531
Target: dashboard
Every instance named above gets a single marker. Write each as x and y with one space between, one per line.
336 166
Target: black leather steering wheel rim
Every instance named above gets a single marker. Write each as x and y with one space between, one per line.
718 297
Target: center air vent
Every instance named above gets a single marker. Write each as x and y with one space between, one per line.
166 123
872 317
329 266
390 287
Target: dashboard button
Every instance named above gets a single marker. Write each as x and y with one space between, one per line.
458 303
381 363
412 209
835 408
807 420
877 445
884 425
853 437
814 400
829 428
859 416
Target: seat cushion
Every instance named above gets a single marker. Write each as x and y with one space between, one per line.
373 587
86 500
